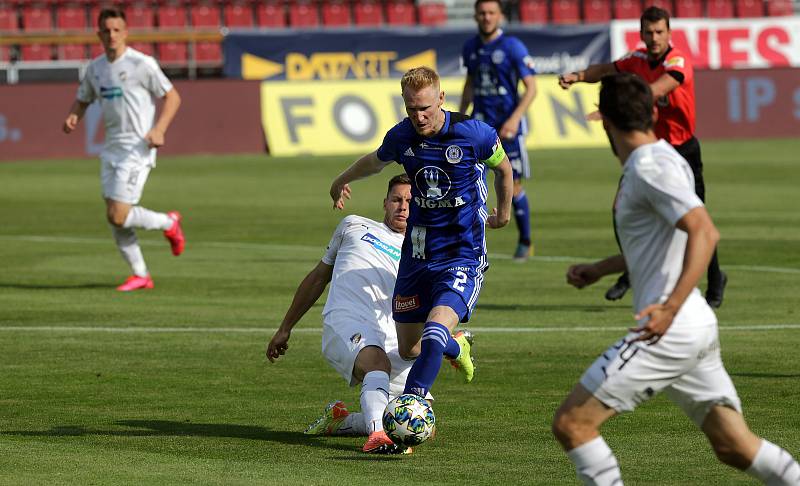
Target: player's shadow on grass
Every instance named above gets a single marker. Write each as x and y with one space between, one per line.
167 428
551 307
56 287
765 375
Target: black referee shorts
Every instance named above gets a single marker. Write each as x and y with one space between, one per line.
690 150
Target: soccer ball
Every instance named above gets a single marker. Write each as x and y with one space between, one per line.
408 420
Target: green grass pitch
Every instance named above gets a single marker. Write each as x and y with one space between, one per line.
182 393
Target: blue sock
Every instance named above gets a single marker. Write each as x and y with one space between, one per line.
436 341
522 215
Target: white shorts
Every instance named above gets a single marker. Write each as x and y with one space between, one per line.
343 339
123 174
685 364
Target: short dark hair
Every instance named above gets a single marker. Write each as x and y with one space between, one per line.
110 13
498 2
652 15
627 102
397 180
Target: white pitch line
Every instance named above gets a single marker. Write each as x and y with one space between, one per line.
259 330
318 249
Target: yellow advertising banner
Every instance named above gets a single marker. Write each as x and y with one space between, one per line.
352 116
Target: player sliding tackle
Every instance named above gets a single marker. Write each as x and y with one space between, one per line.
443 257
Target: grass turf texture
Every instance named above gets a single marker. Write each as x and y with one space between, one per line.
93 406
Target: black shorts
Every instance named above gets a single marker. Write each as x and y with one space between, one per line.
690 150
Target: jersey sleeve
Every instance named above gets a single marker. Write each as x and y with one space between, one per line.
156 81
677 65
668 186
86 92
336 242
626 63
523 62
387 152
488 148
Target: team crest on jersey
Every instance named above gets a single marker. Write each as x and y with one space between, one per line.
355 338
123 75
454 154
498 56
406 304
432 182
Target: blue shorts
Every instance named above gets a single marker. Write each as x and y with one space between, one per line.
518 156
422 285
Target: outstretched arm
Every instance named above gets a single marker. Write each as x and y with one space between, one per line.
592 74
365 166
76 112
172 100
585 274
309 291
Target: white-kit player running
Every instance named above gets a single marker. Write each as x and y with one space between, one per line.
359 338
667 239
124 81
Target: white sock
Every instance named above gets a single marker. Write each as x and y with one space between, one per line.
374 398
774 466
596 464
128 246
139 217
353 424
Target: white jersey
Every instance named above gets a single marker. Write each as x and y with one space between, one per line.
125 89
365 256
657 190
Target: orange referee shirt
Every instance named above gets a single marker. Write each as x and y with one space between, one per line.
676 115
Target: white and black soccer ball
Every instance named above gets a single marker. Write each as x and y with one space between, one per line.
408 420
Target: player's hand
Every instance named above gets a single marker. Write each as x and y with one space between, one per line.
594 116
278 345
339 192
660 318
582 275
71 123
509 129
567 80
494 221
154 138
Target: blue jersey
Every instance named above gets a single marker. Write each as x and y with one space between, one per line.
496 69
448 185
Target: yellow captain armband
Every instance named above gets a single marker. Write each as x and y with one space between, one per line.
497 155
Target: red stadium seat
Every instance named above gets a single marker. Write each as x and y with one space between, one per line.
171 17
367 12
663 4
565 12
4 57
139 16
627 9
36 18
335 13
688 9
8 18
749 8
143 47
71 52
779 7
208 53
238 15
432 13
71 17
95 50
400 12
271 14
533 12
172 53
36 52
205 15
596 11
719 9
303 14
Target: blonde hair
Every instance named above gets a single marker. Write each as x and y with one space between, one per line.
419 78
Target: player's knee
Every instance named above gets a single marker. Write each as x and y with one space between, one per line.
410 353
569 430
730 453
373 358
116 217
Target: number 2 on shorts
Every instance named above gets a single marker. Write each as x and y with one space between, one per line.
461 279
